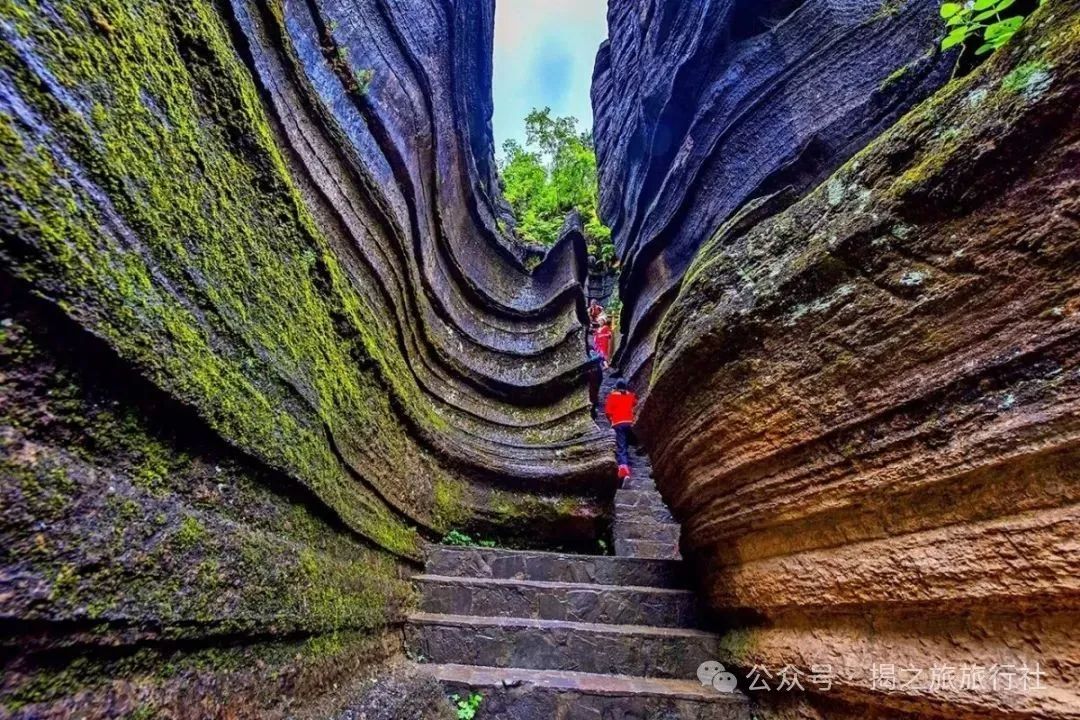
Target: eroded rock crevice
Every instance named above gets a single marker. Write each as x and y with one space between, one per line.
876 468
263 338
280 220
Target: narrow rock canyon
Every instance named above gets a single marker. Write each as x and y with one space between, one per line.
266 335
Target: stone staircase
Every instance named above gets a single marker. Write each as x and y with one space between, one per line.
548 635
643 527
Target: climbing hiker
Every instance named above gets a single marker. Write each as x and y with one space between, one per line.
620 411
594 370
602 341
596 310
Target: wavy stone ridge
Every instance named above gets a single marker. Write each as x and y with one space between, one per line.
878 466
262 334
703 106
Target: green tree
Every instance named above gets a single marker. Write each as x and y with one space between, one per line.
554 173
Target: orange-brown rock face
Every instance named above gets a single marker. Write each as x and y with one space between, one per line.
877 460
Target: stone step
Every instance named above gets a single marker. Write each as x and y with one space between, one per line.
647 549
639 482
657 514
637 498
627 529
641 505
579 602
560 645
552 567
518 694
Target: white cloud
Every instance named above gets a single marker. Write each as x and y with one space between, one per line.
529 34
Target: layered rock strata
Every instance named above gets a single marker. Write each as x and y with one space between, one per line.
701 107
262 335
877 470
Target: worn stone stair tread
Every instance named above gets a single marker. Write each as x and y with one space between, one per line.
582 602
479 621
451 561
553 585
638 497
634 529
655 513
645 650
479 676
647 549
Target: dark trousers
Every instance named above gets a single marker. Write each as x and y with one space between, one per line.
624 436
596 377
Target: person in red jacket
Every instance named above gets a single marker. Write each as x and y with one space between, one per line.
596 311
602 341
620 411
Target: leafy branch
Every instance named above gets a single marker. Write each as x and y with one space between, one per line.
985 20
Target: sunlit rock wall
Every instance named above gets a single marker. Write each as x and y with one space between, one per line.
261 337
703 106
866 410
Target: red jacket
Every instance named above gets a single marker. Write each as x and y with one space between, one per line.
620 407
602 342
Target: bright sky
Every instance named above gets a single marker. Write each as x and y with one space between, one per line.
544 53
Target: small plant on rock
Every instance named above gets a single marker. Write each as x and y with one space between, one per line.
467 707
460 539
987 20
456 537
363 80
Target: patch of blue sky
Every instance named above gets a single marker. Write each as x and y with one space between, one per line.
544 55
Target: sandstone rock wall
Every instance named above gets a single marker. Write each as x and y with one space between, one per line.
877 467
703 106
262 335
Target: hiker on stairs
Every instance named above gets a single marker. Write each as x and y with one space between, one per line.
620 411
602 340
596 314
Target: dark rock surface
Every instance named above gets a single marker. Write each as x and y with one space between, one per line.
578 602
262 335
401 693
878 465
553 567
514 642
701 107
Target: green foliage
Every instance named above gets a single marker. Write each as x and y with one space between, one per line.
467 707
363 80
460 539
554 173
986 21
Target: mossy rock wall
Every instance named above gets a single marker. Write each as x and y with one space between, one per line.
262 338
877 471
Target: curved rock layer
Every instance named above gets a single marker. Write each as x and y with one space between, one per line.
261 336
877 470
701 107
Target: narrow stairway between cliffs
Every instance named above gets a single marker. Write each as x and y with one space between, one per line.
545 635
